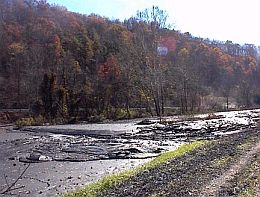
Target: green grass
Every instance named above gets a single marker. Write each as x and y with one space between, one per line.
94 189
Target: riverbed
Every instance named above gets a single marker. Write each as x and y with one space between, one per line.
63 157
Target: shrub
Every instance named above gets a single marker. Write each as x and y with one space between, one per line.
120 114
22 122
96 118
37 121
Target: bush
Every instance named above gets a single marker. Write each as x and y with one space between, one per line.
120 114
22 122
96 118
39 121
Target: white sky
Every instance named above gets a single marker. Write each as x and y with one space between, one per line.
235 20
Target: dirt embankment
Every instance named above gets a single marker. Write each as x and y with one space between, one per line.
208 171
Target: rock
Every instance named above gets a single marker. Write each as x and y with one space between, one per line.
45 158
33 156
145 122
119 154
134 150
158 150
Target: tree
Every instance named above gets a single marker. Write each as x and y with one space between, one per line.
98 64
155 19
17 52
48 92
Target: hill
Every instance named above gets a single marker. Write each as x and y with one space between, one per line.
62 65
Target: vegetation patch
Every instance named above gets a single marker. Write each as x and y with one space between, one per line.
30 121
222 161
245 146
165 157
112 180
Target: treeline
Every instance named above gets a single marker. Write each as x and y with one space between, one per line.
62 64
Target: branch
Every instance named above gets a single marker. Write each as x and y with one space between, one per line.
32 178
13 184
6 181
15 188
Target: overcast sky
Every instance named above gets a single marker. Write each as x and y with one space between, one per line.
235 20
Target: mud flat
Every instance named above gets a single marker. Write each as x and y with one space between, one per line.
48 178
63 157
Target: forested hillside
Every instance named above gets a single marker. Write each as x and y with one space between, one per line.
59 63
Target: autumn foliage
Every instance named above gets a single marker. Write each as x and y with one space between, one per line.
110 70
60 64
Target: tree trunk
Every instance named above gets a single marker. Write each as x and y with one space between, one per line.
18 87
227 102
